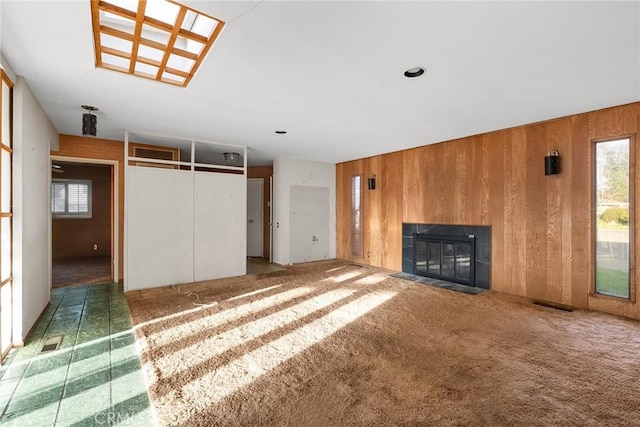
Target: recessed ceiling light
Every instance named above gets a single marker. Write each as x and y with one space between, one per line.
414 72
281 132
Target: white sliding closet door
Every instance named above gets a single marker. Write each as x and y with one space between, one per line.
220 224
159 227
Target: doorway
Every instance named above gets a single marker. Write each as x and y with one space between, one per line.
82 222
255 217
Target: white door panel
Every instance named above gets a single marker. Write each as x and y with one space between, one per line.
255 217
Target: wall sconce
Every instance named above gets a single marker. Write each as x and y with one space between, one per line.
231 157
89 121
371 182
552 163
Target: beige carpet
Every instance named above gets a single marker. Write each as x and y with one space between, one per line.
336 344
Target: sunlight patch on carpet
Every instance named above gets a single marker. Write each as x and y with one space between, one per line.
344 277
248 294
215 385
187 357
166 336
371 279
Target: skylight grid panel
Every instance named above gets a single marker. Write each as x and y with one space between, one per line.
149 70
189 45
189 19
115 61
170 32
150 53
204 26
117 43
117 21
155 34
131 5
180 63
173 79
162 11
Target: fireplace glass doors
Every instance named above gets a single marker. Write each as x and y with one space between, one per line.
448 258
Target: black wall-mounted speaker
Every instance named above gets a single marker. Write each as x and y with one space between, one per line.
89 124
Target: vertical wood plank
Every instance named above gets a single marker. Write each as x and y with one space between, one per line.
536 213
557 137
411 211
392 212
580 212
509 226
518 218
496 209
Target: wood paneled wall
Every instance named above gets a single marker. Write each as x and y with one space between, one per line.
96 148
264 172
542 226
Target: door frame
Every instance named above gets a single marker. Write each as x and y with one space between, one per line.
261 180
115 255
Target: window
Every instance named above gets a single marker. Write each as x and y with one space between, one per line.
71 198
356 233
6 215
613 217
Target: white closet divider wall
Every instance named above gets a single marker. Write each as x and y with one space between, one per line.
185 210
220 220
159 244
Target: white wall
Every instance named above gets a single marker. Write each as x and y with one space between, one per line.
220 225
183 226
33 137
159 220
294 172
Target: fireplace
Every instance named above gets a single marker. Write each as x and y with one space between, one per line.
453 253
449 258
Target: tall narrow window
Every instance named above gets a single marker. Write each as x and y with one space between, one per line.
357 247
6 216
613 220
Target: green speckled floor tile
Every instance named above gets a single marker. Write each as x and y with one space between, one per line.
37 416
93 378
75 408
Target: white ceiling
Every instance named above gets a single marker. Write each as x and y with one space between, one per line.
331 73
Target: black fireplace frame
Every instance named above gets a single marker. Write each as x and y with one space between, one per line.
435 238
482 234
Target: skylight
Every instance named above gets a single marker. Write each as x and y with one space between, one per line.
155 39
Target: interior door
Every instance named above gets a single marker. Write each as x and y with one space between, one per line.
309 218
255 217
